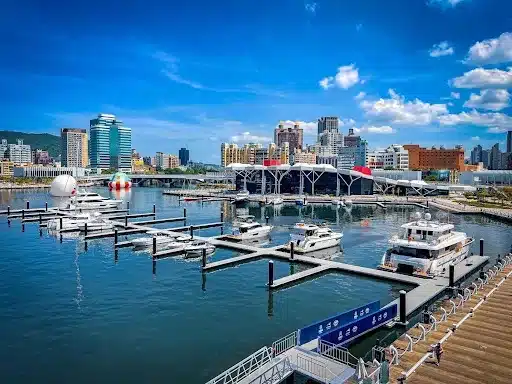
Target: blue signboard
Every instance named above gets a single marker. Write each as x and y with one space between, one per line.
312 331
352 330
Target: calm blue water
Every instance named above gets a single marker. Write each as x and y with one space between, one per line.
71 315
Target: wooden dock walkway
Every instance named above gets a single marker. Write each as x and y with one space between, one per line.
292 279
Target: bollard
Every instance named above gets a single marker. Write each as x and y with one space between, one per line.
46 206
116 236
8 210
185 212
403 309
292 249
270 273
427 203
191 232
28 204
204 257
451 275
304 201
154 208
85 229
154 245
266 219
60 223
22 214
499 259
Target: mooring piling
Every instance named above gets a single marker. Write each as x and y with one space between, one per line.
204 258
481 247
270 273
292 249
403 308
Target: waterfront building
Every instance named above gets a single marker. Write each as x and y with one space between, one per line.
486 156
248 153
330 142
327 124
328 160
293 136
495 157
393 157
172 161
147 160
229 154
47 172
487 177
19 153
6 168
74 147
3 149
352 156
159 160
120 147
165 161
260 155
509 141
184 155
506 160
433 158
41 157
300 157
352 140
476 154
397 174
99 136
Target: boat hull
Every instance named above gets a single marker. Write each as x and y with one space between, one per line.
312 246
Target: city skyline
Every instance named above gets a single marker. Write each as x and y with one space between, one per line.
380 67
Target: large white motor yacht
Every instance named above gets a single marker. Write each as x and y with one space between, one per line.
195 248
241 197
147 242
68 222
251 230
276 200
425 248
311 237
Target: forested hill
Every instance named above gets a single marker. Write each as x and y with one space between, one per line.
44 141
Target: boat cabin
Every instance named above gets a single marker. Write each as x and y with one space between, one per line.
425 231
245 227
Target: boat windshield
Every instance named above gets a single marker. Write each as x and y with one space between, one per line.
412 252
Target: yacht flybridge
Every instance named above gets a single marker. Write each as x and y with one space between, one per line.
310 237
425 248
250 230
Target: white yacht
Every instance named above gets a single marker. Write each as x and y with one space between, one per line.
195 248
275 200
83 196
243 219
251 230
310 237
147 242
338 203
241 197
96 224
425 248
68 222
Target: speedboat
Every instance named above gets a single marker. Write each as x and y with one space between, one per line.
147 242
243 219
96 224
275 201
251 230
311 237
85 196
241 197
425 248
92 205
338 203
195 248
70 222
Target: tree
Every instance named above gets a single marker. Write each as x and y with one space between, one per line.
431 178
109 171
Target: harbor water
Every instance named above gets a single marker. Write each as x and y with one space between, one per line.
70 315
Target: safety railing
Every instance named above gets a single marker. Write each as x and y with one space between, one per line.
244 368
276 373
337 353
284 344
314 367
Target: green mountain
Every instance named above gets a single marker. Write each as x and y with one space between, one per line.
44 141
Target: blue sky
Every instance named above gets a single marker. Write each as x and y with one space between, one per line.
198 73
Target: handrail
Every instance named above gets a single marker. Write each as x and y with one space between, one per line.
275 373
284 344
337 353
314 367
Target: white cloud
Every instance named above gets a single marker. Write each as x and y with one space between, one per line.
247 137
484 78
359 26
445 3
441 49
491 99
475 138
347 76
311 7
398 111
360 96
497 130
385 129
310 128
491 51
490 120
455 95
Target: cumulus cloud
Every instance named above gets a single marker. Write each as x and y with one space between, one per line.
497 130
360 96
455 95
347 76
384 129
444 3
493 120
397 110
491 51
310 128
491 99
247 137
475 138
310 7
441 49
484 78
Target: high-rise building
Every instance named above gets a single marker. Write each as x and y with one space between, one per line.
260 155
184 156
509 141
352 140
393 157
3 149
495 157
99 141
293 136
350 157
476 155
486 157
300 157
147 160
173 161
19 153
506 160
331 142
433 158
329 124
120 147
229 154
74 147
41 157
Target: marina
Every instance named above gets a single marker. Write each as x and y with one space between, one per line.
309 271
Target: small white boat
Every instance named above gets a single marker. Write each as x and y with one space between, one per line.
89 206
96 225
348 202
241 197
339 203
68 222
195 248
251 230
310 237
275 201
147 242
425 248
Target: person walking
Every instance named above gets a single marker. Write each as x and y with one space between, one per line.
438 352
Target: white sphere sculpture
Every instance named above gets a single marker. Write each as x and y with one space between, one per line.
63 186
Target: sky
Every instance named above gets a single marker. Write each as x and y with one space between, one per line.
198 73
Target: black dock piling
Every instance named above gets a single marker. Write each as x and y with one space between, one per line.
46 206
85 230
116 255
128 206
481 247
203 282
22 214
154 209
221 216
23 227
266 219
60 224
85 246
8 210
185 213
40 218
28 204
270 273
154 265
204 257
126 221
403 308
192 232
116 236
40 232
222 230
154 246
292 249
61 238
451 275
